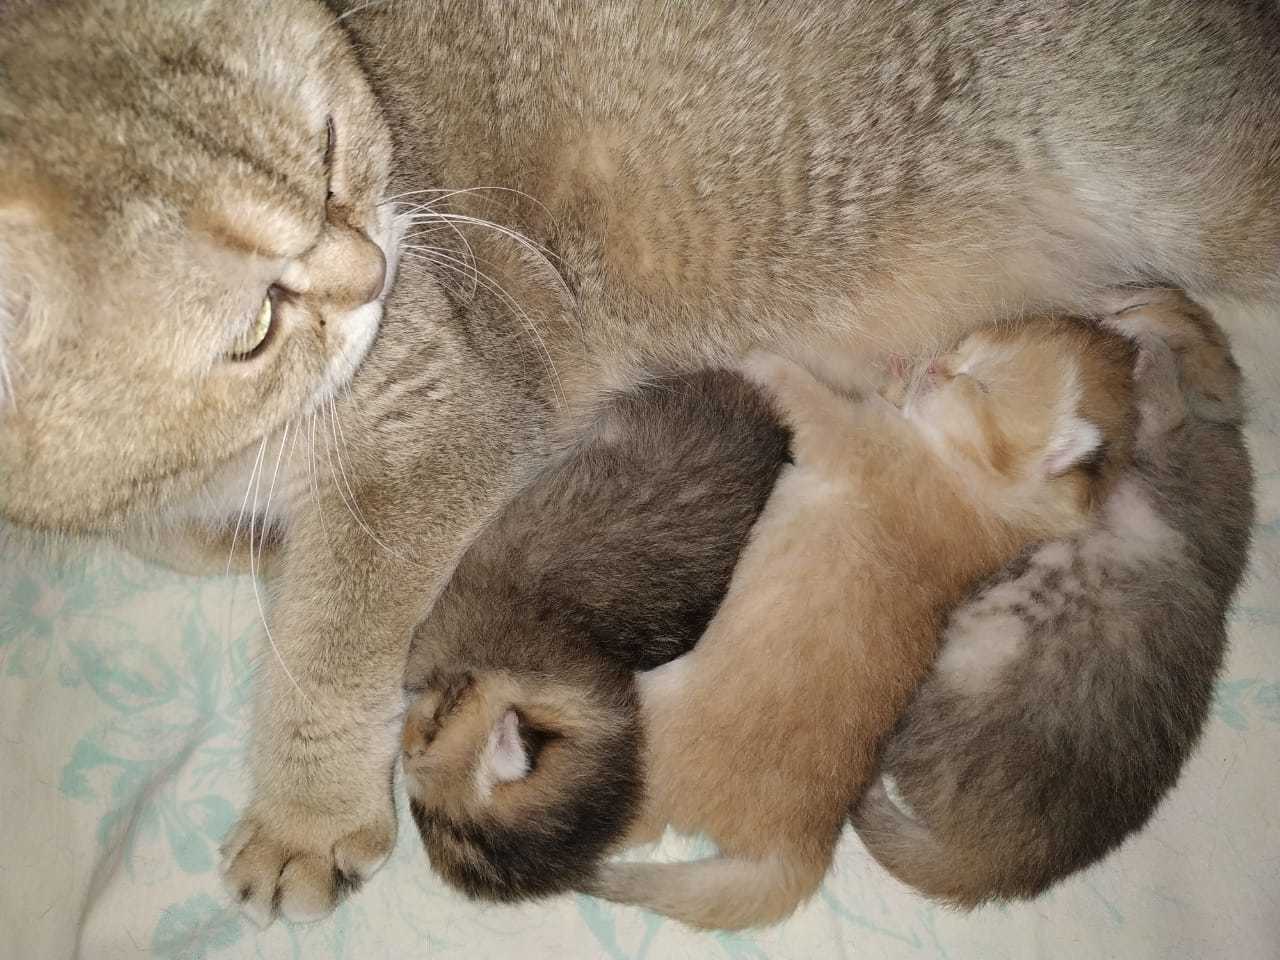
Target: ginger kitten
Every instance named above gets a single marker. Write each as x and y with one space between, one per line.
767 731
1073 684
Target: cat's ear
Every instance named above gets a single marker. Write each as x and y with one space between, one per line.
508 760
1073 442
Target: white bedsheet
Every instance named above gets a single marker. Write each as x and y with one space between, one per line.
123 720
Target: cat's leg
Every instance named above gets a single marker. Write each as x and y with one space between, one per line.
362 563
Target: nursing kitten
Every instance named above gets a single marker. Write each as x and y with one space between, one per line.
763 735
237 241
613 560
1073 685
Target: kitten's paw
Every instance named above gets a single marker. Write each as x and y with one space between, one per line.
795 388
1115 304
1162 407
761 366
294 863
1163 312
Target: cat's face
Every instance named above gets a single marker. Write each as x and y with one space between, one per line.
177 280
519 785
1038 412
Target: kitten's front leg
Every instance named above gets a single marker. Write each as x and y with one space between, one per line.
359 571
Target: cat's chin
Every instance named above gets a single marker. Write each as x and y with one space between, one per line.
361 327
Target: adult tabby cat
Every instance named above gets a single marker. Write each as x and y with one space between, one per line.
215 259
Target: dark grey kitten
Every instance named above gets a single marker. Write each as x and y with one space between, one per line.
522 748
1073 685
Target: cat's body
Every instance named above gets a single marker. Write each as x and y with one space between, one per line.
1087 666
831 178
767 731
613 559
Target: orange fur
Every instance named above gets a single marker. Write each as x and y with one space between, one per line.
764 734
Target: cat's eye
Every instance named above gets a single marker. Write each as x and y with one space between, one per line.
255 339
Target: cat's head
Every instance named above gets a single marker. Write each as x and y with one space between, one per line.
1040 415
519 784
193 242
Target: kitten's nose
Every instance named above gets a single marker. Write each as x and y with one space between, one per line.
414 741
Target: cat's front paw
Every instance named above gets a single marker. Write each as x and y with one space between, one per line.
291 861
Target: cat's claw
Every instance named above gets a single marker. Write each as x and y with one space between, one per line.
303 871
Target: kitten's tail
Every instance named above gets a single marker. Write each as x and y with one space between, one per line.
716 893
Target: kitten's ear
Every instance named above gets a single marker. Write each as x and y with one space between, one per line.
508 760
1072 443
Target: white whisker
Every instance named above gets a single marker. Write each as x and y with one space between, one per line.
353 505
244 504
466 191
493 286
314 479
266 509
6 382
253 572
363 6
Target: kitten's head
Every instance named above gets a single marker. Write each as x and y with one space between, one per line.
519 784
192 242
1040 415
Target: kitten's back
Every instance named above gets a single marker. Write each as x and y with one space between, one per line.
635 534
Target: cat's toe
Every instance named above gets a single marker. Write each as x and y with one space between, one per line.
303 871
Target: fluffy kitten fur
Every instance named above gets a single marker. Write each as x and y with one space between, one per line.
766 732
613 560
838 177
1073 685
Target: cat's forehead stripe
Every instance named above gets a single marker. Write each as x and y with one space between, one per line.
258 232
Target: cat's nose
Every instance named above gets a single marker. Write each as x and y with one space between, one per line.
345 270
